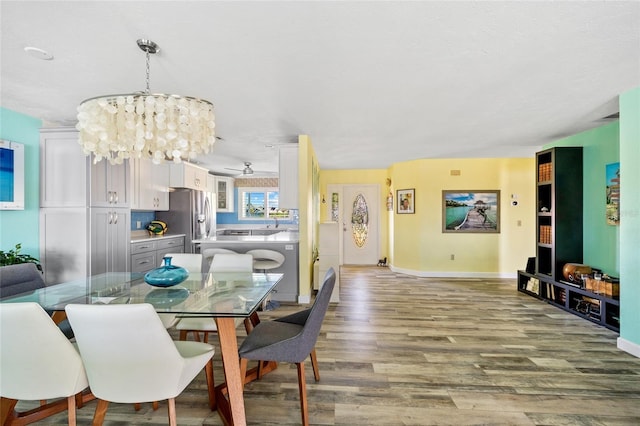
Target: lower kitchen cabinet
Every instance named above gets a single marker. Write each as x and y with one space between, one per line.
110 240
147 254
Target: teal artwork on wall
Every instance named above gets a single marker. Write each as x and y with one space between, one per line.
613 193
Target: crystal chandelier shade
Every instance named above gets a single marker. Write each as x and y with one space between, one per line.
145 125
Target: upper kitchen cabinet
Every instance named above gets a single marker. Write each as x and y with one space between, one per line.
288 179
149 185
109 184
187 175
225 191
63 169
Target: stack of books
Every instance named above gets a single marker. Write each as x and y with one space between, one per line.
544 172
545 234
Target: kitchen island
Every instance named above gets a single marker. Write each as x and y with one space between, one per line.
285 242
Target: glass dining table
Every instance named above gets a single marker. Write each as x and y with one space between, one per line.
221 296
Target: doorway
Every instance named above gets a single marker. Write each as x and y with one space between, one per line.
356 208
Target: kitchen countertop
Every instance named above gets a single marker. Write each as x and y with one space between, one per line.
280 237
139 236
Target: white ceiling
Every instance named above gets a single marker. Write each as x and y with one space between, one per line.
371 82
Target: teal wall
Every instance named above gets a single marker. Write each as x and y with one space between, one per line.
22 226
601 241
630 218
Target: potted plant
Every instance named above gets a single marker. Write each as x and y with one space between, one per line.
14 256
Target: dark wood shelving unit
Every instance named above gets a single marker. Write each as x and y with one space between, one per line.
559 239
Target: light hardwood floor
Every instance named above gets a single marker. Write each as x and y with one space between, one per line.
401 350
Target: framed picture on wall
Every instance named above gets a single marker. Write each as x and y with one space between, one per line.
471 211
406 201
613 193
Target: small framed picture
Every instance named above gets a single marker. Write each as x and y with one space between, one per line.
406 201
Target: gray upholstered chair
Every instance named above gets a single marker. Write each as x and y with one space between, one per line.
291 339
22 278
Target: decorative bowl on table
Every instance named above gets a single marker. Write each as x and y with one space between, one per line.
167 275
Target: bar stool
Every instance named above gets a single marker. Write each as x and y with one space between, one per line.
266 260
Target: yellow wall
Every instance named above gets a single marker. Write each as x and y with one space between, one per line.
355 177
419 246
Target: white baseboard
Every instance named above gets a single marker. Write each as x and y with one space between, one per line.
629 347
432 274
304 300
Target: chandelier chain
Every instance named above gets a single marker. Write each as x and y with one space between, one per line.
148 72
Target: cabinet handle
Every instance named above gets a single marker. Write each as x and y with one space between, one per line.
115 217
110 197
116 195
110 218
196 182
143 262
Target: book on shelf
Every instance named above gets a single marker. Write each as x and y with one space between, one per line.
533 285
544 172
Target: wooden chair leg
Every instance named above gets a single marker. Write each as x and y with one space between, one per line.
8 407
79 401
172 412
101 412
71 408
137 406
155 405
243 369
302 384
183 334
208 369
314 365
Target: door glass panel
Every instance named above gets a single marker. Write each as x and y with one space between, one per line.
360 220
335 207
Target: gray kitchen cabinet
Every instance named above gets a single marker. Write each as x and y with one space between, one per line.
170 245
288 177
64 237
225 192
149 185
110 240
147 254
287 288
63 169
75 241
187 175
109 184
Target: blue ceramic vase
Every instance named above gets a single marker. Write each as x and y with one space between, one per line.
167 275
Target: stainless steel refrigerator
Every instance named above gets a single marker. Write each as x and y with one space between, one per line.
192 213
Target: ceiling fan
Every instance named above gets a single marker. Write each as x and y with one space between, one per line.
248 171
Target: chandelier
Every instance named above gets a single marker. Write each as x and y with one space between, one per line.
145 125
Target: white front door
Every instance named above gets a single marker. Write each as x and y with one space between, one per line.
360 227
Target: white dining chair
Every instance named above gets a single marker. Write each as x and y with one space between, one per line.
209 253
130 357
37 362
221 262
192 262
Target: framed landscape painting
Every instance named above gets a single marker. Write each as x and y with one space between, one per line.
471 211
